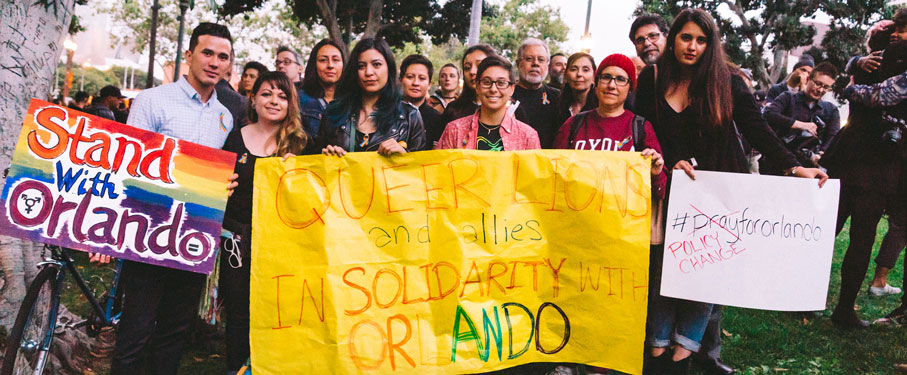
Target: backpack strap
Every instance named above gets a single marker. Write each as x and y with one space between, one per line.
579 121
639 132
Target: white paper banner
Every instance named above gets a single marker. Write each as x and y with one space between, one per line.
762 242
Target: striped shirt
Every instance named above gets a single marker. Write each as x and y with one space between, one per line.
176 110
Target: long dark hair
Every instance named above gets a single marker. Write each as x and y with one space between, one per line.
348 97
710 89
568 97
311 83
469 93
290 137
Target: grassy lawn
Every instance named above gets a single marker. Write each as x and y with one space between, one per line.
756 342
765 342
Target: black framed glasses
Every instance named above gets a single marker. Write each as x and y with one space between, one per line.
618 80
501 84
278 63
652 37
822 85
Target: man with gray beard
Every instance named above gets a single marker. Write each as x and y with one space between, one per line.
538 100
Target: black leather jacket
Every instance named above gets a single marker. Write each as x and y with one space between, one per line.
406 127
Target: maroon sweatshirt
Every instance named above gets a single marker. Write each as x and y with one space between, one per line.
611 134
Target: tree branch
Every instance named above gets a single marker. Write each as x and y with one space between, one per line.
374 18
329 17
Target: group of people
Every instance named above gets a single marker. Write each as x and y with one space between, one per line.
679 102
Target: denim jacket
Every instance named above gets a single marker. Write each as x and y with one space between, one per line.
311 108
406 128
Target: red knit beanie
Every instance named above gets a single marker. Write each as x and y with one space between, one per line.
619 61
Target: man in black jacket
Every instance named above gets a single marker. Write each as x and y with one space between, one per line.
538 100
106 103
803 120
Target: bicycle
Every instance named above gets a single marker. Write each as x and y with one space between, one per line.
29 342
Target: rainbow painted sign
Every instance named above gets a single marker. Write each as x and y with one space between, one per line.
92 184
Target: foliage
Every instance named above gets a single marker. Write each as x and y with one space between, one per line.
96 79
757 26
516 20
850 21
256 35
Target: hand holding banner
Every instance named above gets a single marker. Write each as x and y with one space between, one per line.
762 242
449 261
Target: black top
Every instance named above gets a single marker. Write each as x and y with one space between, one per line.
541 110
489 138
434 126
239 205
102 111
682 136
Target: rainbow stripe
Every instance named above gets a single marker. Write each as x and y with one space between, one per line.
200 175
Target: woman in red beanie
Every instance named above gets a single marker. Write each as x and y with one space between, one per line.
611 127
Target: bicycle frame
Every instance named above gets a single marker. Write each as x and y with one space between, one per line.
61 260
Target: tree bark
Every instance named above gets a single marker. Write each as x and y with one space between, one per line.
329 15
373 25
31 36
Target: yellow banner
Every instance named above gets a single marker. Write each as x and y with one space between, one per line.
449 261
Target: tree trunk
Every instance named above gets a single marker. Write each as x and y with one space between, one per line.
329 15
373 25
475 23
31 37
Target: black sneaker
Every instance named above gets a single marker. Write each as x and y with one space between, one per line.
896 317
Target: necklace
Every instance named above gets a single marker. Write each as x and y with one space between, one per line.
489 128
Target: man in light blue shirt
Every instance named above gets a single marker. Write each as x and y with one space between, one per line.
162 302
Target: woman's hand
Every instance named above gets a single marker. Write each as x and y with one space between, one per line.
390 146
287 156
333 151
232 184
686 167
657 161
811 173
98 258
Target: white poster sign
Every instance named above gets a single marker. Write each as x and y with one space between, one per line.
762 242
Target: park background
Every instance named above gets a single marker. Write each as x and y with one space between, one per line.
47 45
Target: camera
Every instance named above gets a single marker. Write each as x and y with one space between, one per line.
893 133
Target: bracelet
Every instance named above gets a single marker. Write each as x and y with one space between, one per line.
793 171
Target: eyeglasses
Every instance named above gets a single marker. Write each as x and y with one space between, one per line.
618 80
501 84
278 63
822 85
541 60
652 37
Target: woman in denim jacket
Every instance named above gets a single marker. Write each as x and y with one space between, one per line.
322 72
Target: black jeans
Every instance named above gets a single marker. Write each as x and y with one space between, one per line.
894 240
159 306
234 287
865 208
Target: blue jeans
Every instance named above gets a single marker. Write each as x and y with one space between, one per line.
672 319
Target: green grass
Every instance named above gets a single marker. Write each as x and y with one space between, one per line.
759 342
765 342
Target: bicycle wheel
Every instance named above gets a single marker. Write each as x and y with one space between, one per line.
33 323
